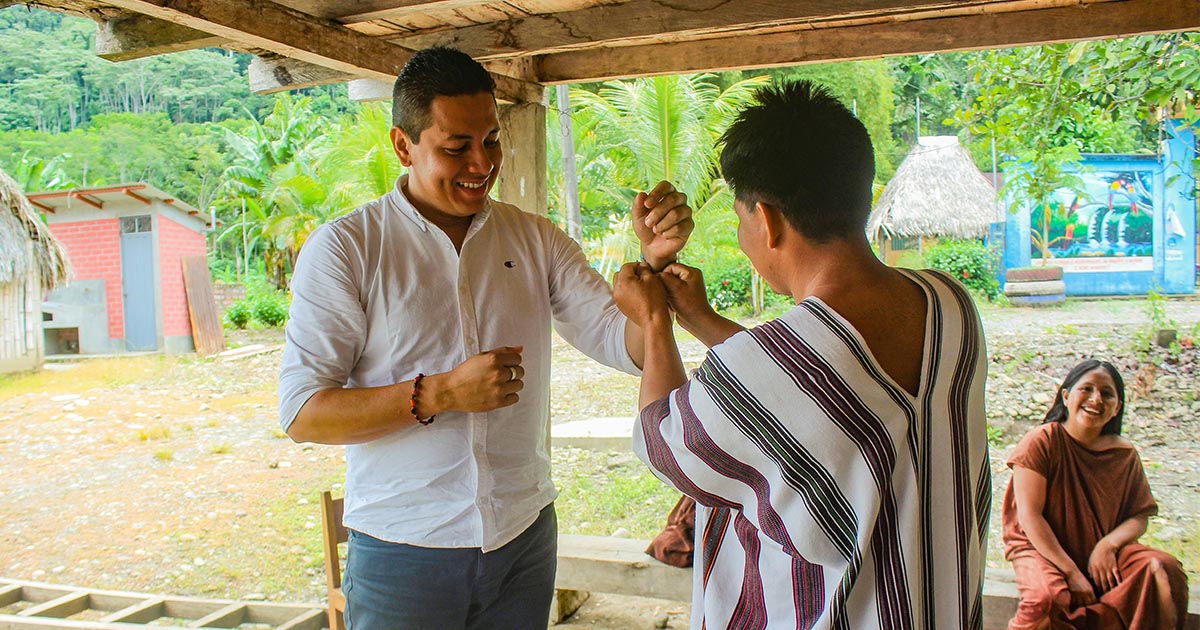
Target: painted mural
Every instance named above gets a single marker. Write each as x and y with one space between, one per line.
1105 225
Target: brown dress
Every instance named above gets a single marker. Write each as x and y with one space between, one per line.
1088 494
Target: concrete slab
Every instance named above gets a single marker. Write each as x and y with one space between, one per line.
597 434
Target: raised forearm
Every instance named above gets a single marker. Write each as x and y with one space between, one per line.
709 327
663 370
635 343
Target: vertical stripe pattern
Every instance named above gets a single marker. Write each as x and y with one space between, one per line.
830 496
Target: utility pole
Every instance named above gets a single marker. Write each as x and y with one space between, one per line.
570 177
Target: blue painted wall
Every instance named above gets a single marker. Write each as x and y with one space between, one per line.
1169 182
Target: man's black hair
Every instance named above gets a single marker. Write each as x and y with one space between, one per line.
800 150
437 71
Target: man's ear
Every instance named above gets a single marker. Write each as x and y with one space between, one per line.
401 144
773 223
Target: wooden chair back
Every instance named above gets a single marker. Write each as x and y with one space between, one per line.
334 533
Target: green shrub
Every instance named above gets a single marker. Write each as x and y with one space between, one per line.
270 309
728 286
970 262
238 314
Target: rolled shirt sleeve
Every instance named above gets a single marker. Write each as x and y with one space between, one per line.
327 326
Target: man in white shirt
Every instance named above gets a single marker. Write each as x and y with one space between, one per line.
420 338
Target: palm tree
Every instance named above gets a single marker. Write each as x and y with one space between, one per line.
665 127
364 149
291 133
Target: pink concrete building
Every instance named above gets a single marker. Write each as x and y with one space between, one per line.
126 292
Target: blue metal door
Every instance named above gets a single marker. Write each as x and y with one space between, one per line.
137 278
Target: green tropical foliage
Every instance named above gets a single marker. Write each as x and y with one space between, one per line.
970 262
274 168
1045 105
636 133
296 171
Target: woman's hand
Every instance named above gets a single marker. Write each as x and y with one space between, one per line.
1082 593
640 295
1102 566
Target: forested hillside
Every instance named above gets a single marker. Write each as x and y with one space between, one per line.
69 117
273 168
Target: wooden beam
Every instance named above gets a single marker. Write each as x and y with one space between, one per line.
290 33
365 10
646 19
130 193
139 36
279 74
99 205
952 32
369 90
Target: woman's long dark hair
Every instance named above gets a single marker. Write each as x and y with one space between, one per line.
1058 411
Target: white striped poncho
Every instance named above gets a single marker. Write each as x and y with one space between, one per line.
828 496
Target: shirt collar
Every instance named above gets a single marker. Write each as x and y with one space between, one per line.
400 202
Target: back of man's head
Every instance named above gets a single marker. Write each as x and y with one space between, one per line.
800 150
432 72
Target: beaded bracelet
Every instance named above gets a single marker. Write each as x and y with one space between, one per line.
412 401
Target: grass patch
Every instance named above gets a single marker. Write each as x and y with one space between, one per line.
1180 538
287 557
164 454
221 449
89 374
240 402
597 496
156 432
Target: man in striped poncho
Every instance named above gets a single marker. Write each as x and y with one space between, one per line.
838 454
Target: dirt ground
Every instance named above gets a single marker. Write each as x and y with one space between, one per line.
170 474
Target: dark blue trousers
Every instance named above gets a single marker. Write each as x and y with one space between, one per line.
392 586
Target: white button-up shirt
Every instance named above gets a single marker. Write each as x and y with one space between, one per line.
380 295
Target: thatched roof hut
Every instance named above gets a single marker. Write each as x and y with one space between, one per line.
19 225
937 191
31 262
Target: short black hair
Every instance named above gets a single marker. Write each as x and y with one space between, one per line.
432 72
1058 411
799 149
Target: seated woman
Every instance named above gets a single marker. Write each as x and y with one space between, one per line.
1076 505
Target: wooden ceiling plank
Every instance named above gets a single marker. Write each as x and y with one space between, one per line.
643 19
134 37
290 33
408 9
963 32
280 74
368 10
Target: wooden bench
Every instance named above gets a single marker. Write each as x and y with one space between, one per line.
603 564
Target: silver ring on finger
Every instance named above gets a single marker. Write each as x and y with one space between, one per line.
514 373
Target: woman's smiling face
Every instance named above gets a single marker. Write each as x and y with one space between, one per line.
1092 401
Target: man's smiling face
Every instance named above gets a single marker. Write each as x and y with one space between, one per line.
455 164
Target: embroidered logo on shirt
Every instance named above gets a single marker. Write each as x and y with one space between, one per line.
511 264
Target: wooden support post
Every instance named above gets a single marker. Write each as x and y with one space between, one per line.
566 602
523 175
